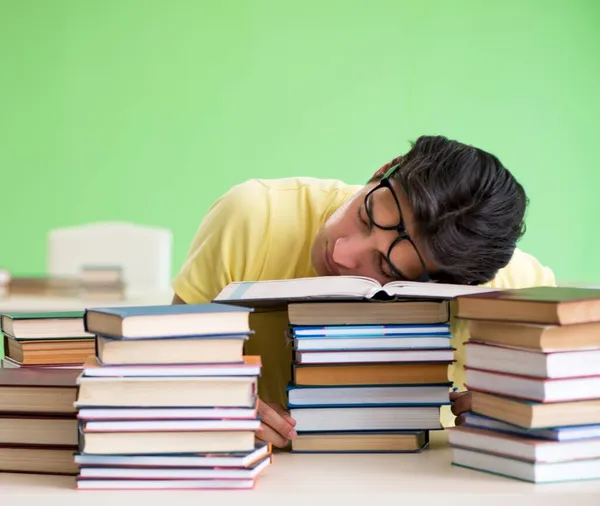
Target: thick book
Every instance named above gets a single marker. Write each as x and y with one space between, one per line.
361 442
176 320
43 325
523 448
171 351
534 472
35 390
32 459
536 364
373 395
276 292
567 433
535 415
370 374
554 305
535 389
537 336
369 312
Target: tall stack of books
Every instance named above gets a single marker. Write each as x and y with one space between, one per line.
38 426
49 339
533 369
169 401
367 388
368 376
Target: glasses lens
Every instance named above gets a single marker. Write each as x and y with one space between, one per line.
383 209
406 261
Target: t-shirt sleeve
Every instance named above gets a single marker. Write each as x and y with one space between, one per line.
230 244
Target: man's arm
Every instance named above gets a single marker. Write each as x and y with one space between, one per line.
228 246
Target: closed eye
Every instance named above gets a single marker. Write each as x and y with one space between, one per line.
384 267
365 223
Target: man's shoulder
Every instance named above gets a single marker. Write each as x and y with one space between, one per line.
522 271
285 191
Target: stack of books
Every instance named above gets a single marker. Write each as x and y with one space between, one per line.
49 339
169 401
533 368
378 389
102 282
38 425
368 376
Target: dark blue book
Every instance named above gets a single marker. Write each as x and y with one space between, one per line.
178 320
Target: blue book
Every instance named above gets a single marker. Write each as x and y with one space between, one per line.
178 320
333 331
568 433
432 394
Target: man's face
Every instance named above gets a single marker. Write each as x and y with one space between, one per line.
349 243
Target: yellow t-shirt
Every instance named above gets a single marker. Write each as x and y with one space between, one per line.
264 229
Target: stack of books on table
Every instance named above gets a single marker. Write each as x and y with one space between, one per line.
368 376
102 282
533 367
38 424
48 339
169 401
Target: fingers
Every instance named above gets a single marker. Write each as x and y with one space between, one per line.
277 425
459 420
455 395
281 411
461 402
269 435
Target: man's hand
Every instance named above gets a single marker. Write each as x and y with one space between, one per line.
461 403
277 425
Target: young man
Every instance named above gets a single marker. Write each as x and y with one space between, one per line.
444 212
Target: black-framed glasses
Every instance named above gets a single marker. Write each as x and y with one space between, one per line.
384 211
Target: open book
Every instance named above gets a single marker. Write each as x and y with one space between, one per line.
338 288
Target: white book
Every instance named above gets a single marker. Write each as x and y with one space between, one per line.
338 288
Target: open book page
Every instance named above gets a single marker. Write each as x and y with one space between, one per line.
337 288
400 289
324 287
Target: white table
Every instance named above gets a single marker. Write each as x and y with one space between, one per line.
410 479
23 303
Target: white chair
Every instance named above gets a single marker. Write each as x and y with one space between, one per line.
144 253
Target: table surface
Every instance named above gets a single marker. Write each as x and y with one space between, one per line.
295 478
16 303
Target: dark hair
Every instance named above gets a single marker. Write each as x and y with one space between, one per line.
468 208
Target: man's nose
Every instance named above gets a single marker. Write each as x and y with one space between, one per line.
347 253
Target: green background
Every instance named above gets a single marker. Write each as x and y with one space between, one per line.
147 111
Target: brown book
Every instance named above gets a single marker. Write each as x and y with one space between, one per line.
371 374
38 460
38 430
534 336
376 442
554 305
535 415
46 352
48 391
371 313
